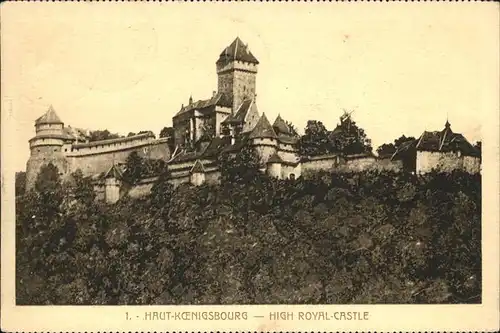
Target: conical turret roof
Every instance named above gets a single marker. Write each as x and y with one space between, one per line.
275 158
198 167
280 126
237 50
50 117
263 129
114 172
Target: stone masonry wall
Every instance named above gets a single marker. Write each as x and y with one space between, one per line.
445 162
92 164
45 156
472 164
243 87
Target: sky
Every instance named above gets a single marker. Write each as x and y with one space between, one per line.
401 69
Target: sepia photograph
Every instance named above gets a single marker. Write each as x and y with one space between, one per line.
190 156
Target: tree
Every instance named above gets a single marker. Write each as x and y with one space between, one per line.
365 237
162 190
83 190
387 149
292 129
241 167
348 138
167 132
20 183
102 135
398 142
134 168
315 140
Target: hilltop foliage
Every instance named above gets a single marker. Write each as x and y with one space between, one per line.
99 135
352 238
347 138
387 149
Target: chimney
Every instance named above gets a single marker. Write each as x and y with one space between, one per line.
190 100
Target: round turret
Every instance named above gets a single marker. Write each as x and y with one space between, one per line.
46 146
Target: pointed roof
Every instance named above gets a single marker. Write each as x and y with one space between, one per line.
275 158
237 51
50 117
263 129
197 167
218 99
114 172
280 126
241 113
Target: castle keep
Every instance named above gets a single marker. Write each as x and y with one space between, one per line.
225 123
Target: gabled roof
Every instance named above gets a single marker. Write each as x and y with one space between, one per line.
439 141
210 152
237 51
263 129
197 167
218 99
50 117
184 155
405 147
215 146
429 141
280 126
275 158
114 172
240 114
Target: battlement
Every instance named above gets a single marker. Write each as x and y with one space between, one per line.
110 145
237 65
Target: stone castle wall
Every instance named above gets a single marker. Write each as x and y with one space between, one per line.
44 156
335 163
92 158
446 162
96 160
265 148
472 164
142 188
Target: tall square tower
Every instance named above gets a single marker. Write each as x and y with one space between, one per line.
237 72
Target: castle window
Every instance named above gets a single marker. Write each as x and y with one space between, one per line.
55 149
65 149
38 150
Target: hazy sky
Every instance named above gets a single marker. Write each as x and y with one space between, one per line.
403 68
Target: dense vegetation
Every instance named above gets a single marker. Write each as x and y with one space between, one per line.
346 138
350 238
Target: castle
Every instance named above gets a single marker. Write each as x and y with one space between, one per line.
223 123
